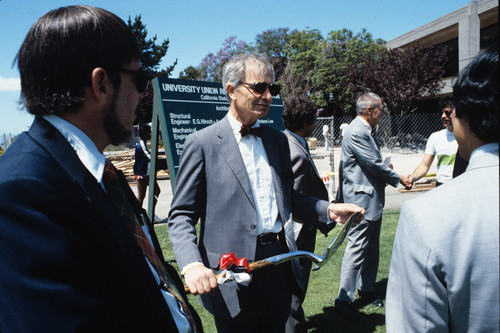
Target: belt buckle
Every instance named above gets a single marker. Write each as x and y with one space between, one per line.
267 238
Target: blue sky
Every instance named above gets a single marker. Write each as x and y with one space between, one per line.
197 27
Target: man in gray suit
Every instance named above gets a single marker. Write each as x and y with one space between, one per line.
445 263
240 186
365 176
299 117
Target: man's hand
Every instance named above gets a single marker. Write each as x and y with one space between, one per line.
407 181
340 212
200 280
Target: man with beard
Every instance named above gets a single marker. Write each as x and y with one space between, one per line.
78 253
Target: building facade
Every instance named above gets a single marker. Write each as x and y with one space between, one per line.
465 32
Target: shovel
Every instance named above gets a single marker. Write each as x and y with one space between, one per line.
319 260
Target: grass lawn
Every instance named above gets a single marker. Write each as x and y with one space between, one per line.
323 286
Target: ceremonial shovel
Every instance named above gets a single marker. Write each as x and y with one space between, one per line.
319 260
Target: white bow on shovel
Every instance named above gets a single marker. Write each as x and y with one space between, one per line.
284 257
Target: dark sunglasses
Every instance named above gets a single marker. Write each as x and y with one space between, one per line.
141 78
447 113
260 87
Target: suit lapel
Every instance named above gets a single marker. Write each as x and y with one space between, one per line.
363 128
273 157
309 158
231 153
304 150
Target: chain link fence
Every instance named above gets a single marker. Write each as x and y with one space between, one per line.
403 137
405 134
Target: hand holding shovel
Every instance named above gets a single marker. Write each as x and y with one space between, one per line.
281 258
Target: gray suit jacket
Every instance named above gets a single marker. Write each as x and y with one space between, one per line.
364 172
213 187
306 177
445 263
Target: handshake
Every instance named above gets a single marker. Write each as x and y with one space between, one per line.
407 181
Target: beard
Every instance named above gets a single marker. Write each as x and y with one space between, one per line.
117 133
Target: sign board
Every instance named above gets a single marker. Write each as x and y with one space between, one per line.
181 107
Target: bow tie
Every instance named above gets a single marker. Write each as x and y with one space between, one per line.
257 131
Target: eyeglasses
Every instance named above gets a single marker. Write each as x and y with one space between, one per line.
141 78
261 87
447 113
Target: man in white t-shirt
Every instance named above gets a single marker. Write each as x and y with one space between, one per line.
441 144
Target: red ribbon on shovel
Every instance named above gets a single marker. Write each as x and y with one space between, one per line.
230 262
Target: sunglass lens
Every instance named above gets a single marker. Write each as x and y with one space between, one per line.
260 87
274 89
142 81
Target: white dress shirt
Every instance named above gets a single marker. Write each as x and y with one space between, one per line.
259 173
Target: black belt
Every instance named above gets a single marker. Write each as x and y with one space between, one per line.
267 238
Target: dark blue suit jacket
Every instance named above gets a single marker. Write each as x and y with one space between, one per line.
67 262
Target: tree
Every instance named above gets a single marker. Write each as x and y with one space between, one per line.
152 53
211 65
151 56
295 80
401 77
273 44
300 53
190 73
330 77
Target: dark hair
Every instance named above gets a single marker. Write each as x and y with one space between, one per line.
297 112
446 102
475 95
144 129
62 49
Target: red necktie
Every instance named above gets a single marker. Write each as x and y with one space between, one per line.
120 203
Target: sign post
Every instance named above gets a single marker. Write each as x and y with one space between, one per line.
181 107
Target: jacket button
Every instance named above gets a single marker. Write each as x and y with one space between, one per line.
253 226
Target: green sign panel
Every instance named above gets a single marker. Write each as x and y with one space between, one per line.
182 107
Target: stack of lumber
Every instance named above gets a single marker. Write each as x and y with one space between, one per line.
425 184
125 163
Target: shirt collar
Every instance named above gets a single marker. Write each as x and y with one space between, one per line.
84 147
367 125
488 151
236 126
298 137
